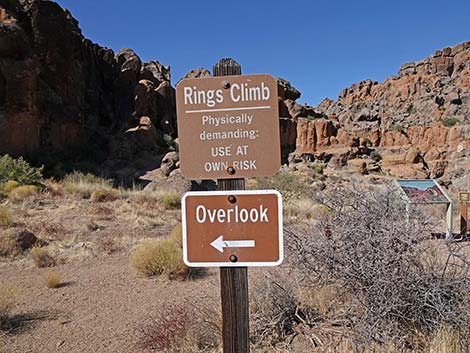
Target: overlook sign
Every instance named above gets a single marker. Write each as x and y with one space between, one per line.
228 127
232 228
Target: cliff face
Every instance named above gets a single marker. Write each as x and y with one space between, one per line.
426 107
60 93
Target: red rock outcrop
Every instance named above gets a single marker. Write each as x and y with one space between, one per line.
62 94
425 107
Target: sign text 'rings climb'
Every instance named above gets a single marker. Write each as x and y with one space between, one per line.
228 127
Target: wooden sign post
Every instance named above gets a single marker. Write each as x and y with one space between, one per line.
228 129
464 198
233 280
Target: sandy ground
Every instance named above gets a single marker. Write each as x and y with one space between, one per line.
99 307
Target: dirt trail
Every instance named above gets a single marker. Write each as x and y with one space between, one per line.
97 310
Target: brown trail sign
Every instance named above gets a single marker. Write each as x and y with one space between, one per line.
228 127
232 228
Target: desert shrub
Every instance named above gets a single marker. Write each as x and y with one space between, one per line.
42 258
22 193
84 185
5 216
318 168
290 186
273 309
105 195
450 122
7 187
51 278
156 257
8 297
170 142
277 311
367 246
19 170
375 156
171 200
398 127
176 328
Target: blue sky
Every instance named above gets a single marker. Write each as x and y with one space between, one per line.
320 46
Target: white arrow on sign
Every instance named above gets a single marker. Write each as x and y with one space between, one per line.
219 244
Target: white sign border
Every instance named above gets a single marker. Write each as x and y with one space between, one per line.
235 193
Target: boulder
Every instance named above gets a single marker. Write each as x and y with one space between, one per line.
14 241
169 163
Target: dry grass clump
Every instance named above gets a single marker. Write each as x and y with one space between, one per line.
105 195
8 297
42 258
51 278
303 210
7 187
54 188
448 340
157 257
84 185
177 235
5 216
22 193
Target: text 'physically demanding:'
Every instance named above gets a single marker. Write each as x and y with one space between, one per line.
235 214
237 93
227 119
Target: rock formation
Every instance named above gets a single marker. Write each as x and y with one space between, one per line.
425 108
62 95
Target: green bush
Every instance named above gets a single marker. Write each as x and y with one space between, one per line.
375 156
290 186
450 122
398 127
171 200
318 168
19 170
